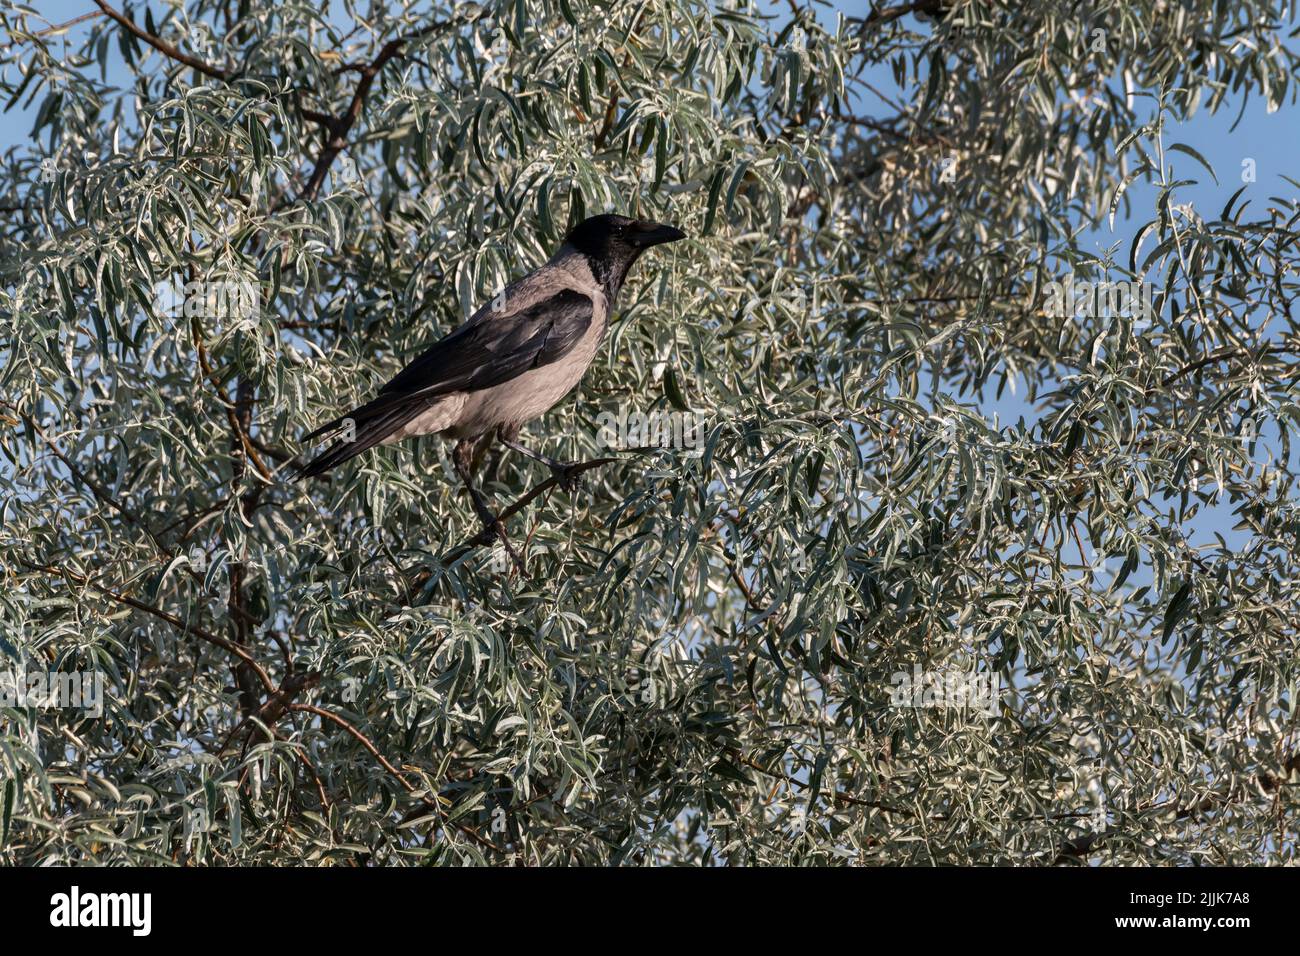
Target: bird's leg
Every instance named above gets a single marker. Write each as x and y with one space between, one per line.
461 457
562 470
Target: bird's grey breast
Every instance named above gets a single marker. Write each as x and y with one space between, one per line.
526 396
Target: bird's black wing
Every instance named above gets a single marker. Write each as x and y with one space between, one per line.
477 355
497 349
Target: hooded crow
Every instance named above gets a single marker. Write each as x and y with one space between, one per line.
513 360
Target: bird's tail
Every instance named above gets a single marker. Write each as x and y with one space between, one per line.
358 431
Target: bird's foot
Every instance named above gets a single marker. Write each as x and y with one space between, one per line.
568 476
494 530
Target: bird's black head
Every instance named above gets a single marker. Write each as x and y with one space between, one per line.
612 243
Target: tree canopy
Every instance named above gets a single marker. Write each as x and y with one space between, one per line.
821 607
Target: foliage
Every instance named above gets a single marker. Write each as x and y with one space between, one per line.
702 662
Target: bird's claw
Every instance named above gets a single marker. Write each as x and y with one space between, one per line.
568 477
492 531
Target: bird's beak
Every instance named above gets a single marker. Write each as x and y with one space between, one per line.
648 234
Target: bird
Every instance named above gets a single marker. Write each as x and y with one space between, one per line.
509 363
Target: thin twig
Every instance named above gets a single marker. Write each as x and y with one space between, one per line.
834 795
70 23
487 536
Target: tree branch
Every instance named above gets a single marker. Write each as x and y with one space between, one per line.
878 17
1219 356
338 127
99 491
393 771
163 47
277 704
365 742
612 110
200 633
232 417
